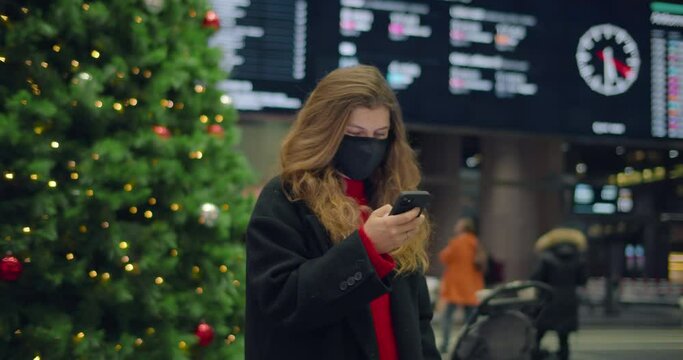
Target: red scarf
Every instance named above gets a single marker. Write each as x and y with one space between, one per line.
383 264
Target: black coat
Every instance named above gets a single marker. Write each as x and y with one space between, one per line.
308 299
562 268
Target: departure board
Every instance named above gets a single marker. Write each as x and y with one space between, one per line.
264 51
611 68
667 70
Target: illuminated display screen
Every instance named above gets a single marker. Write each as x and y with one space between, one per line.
608 68
602 200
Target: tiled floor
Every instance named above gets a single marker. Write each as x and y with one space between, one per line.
637 333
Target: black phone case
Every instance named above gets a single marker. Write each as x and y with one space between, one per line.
408 200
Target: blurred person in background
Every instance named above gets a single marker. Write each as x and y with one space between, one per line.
562 267
328 277
464 263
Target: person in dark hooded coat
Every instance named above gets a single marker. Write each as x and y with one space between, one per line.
562 267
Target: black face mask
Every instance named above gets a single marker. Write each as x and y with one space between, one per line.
358 157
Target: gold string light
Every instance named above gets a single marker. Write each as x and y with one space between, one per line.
56 48
9 176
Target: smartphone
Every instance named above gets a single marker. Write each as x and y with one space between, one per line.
409 200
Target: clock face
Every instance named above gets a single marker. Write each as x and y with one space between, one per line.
608 59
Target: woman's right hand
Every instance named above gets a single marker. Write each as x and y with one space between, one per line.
388 232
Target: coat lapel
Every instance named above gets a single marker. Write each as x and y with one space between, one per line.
362 327
404 317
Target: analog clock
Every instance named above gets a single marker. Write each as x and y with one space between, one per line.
608 59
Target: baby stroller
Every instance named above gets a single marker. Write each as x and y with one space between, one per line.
503 326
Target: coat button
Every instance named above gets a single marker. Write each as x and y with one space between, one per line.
343 285
358 276
351 281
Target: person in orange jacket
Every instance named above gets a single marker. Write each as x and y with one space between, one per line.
462 278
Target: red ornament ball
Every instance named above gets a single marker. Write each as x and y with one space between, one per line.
10 268
204 333
215 130
161 131
211 20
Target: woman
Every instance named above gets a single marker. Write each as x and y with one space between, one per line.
561 267
328 277
462 277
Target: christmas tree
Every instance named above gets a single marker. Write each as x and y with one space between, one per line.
122 203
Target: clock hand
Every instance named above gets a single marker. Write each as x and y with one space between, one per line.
622 68
610 71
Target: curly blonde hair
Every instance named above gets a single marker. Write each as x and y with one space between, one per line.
308 150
